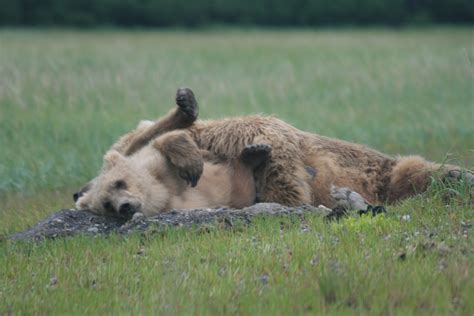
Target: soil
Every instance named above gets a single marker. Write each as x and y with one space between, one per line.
71 222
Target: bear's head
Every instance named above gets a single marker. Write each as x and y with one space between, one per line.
127 185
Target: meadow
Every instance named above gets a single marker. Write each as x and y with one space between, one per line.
66 96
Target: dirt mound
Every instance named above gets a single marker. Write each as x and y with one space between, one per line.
71 222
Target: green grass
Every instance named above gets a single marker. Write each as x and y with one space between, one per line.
275 266
65 96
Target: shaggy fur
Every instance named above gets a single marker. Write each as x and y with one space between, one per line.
303 167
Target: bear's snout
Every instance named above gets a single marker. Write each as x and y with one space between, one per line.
128 209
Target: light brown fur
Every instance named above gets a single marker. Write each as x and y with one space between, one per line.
151 180
303 166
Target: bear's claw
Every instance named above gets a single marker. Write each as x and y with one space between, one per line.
190 176
254 148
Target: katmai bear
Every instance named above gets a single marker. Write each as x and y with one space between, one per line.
304 168
172 173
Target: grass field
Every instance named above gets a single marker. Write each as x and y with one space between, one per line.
65 96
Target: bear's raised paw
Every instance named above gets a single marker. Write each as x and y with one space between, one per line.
187 103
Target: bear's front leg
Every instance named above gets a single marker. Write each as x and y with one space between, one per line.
182 152
183 116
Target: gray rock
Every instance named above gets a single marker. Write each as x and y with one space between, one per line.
71 222
348 199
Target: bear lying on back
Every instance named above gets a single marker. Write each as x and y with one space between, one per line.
303 167
164 175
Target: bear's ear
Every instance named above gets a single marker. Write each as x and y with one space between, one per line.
111 159
83 203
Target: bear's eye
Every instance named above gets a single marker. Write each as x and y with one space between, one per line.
120 185
108 207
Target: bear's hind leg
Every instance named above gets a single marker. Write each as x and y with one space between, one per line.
183 116
287 187
255 155
412 175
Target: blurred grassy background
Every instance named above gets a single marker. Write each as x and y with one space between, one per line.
65 96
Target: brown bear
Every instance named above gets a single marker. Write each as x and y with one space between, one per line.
303 167
153 179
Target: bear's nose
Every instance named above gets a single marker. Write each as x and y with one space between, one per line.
127 210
